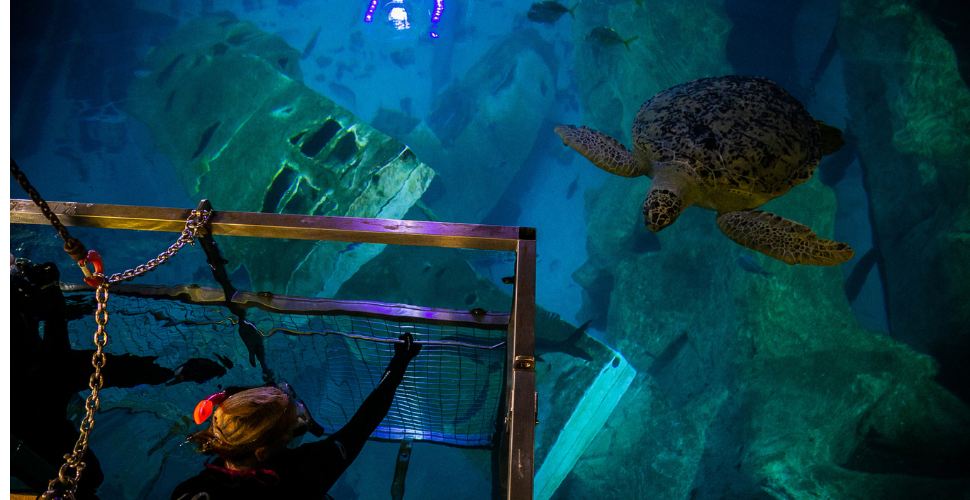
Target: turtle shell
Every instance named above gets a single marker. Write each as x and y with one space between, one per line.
734 132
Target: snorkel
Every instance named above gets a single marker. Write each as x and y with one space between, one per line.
305 422
204 409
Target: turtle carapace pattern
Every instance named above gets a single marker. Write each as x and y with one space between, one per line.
728 144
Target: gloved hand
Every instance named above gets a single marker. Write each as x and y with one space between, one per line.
404 352
407 349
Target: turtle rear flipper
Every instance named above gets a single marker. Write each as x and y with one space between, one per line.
604 151
782 239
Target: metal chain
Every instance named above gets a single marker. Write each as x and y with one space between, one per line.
196 221
91 405
72 245
69 482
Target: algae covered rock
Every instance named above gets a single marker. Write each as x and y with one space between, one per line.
758 384
756 381
614 81
911 111
225 103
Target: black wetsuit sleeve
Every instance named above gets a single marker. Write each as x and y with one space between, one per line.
372 411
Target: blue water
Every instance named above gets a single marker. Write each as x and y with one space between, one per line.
696 343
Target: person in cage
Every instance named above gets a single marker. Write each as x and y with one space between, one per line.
46 373
253 432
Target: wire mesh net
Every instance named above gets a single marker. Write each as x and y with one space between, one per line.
450 394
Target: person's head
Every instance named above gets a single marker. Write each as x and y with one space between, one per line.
255 423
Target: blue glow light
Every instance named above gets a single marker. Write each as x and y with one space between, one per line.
370 11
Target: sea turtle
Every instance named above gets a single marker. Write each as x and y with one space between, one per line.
727 144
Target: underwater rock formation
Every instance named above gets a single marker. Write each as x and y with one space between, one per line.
483 126
614 81
224 101
753 386
911 111
755 379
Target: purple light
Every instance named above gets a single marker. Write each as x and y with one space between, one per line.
439 7
434 35
370 11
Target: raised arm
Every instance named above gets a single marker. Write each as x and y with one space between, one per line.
351 437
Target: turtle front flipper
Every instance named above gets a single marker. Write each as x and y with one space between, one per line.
604 151
782 239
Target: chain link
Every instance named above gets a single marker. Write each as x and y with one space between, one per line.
196 221
72 245
68 482
65 484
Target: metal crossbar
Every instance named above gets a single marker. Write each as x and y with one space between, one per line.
518 417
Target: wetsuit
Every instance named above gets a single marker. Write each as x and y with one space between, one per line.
46 373
309 470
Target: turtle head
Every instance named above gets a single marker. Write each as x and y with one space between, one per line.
662 207
671 192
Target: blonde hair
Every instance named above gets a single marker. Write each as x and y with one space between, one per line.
246 421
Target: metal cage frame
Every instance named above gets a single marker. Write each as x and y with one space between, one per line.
518 442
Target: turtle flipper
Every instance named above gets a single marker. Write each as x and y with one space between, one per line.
604 151
782 239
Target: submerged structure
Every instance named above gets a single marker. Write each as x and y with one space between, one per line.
702 370
225 102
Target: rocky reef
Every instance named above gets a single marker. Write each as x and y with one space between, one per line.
614 81
911 111
756 386
755 381
224 101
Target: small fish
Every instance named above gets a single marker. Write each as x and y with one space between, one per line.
167 72
547 315
308 49
548 12
197 370
225 361
571 190
857 278
748 264
568 346
343 95
206 137
668 354
506 80
608 37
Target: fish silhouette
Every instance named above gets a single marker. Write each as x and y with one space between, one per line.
308 48
748 264
857 278
571 190
608 37
548 12
569 346
197 370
